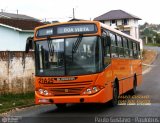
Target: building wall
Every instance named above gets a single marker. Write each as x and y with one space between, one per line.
132 27
107 23
13 40
16 72
119 22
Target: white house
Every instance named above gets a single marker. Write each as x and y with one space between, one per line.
122 21
14 30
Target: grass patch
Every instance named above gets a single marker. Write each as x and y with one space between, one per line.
11 101
150 44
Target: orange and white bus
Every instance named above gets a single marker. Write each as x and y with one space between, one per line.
84 62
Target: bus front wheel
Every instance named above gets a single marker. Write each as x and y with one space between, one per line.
114 101
134 89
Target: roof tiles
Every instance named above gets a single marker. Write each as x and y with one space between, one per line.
116 14
21 24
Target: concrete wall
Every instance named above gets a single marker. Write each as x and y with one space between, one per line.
13 40
16 72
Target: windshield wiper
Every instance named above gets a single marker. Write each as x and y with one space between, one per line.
77 43
50 46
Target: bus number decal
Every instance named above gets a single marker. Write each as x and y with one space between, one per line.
46 80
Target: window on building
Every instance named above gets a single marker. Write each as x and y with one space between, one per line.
113 22
125 22
102 21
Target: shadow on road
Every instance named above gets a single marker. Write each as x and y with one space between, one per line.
81 108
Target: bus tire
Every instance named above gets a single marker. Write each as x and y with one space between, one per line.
114 101
133 91
61 105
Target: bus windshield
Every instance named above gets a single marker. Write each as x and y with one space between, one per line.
68 56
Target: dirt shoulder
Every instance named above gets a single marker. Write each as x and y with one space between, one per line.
148 58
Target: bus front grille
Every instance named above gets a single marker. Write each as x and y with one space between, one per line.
69 88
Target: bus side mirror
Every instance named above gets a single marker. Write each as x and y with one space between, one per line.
29 44
108 43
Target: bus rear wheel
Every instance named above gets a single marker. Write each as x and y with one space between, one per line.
61 105
134 89
114 101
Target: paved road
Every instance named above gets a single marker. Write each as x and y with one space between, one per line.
152 48
92 113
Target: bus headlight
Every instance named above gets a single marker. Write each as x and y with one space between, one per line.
40 91
89 91
92 90
95 89
43 92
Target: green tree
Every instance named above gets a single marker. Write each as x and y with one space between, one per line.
148 35
157 39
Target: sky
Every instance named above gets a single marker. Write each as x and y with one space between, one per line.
62 10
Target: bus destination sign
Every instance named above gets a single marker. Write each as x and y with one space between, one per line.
67 29
45 32
83 28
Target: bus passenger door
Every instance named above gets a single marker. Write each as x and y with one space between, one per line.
107 53
106 44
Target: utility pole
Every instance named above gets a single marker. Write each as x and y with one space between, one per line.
73 14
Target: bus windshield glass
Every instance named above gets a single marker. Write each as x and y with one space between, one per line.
68 56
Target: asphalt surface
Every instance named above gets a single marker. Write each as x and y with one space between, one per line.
96 113
152 48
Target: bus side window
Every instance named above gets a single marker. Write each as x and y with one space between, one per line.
125 45
114 48
120 47
130 48
139 51
135 50
106 48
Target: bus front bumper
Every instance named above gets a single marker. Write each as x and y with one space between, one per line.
100 97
